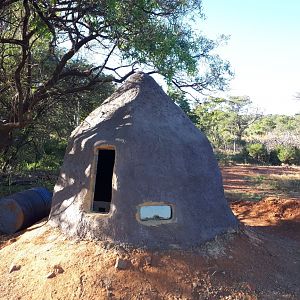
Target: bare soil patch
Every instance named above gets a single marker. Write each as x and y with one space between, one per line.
261 261
253 183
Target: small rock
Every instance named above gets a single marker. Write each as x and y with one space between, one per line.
58 269
14 267
121 264
51 274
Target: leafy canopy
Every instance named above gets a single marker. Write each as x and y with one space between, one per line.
119 37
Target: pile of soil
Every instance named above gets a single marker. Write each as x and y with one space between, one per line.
250 264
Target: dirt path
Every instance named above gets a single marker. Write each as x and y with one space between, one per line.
262 261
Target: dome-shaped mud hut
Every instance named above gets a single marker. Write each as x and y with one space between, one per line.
138 171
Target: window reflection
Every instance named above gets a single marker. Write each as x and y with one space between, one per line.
155 212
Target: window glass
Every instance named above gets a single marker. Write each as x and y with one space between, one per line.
155 212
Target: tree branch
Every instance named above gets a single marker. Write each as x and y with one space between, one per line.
20 67
57 72
12 41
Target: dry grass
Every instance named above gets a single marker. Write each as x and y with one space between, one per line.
254 183
289 183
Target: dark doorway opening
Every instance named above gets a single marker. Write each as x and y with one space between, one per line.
103 182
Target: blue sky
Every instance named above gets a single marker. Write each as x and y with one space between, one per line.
264 49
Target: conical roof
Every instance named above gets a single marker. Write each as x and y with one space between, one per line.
160 158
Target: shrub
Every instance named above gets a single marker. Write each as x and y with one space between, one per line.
288 155
258 151
242 156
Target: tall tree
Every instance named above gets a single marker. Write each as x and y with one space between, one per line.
241 116
209 118
149 34
225 121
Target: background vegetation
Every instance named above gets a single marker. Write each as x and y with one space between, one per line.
60 59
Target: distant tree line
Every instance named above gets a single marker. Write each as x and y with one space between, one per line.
50 79
240 131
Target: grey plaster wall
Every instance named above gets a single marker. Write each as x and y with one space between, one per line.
160 157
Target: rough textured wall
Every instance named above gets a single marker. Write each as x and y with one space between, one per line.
160 157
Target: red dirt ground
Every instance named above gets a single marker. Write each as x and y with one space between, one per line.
245 179
261 261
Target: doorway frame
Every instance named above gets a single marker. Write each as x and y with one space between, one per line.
93 177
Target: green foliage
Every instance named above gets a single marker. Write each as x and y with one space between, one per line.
40 152
288 155
225 121
258 151
155 32
211 119
51 159
41 145
44 42
262 125
242 156
276 130
241 134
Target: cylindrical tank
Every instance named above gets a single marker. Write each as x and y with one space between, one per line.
21 210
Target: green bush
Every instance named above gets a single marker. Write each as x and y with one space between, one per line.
46 163
242 156
288 155
55 146
258 151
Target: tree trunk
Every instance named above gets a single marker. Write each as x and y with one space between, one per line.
5 143
5 140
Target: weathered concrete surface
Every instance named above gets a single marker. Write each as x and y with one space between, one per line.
160 157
